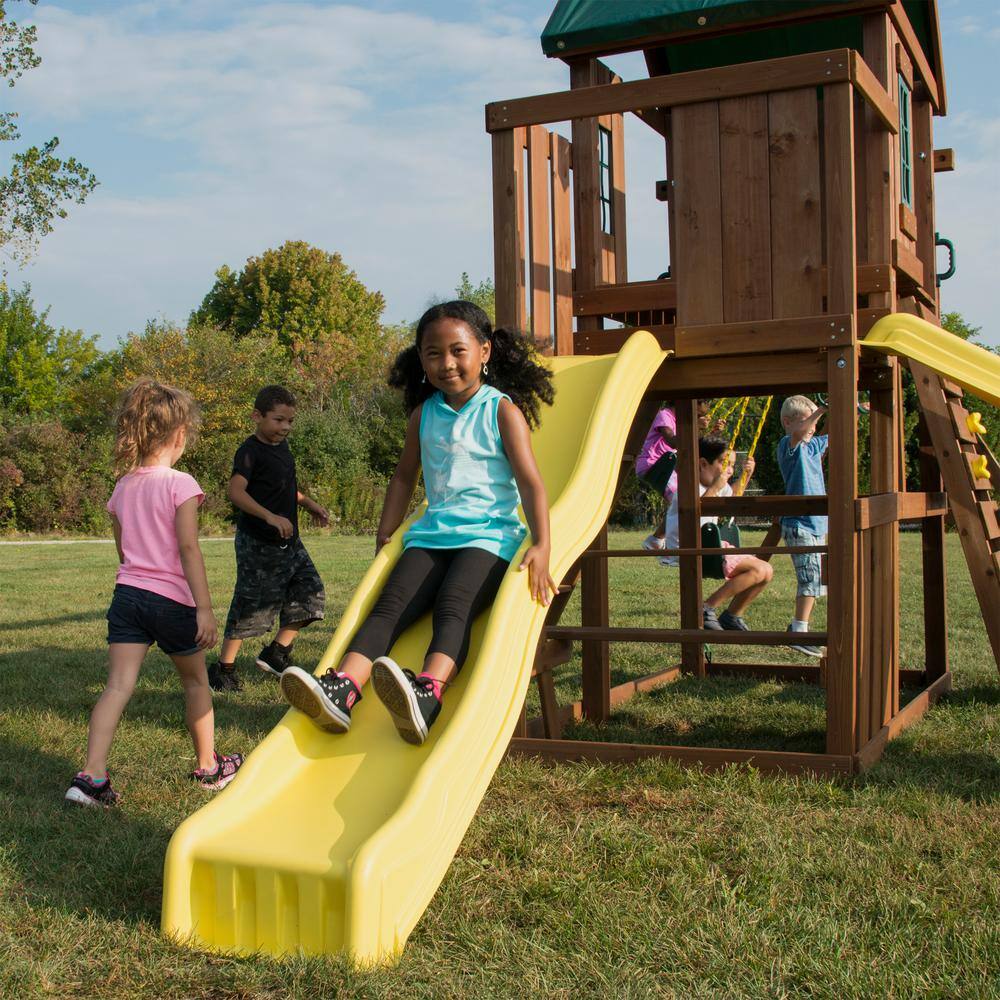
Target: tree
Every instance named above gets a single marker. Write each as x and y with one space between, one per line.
483 295
309 302
39 365
34 193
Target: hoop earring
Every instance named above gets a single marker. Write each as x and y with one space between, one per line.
486 370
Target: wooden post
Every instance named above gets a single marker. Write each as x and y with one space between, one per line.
538 229
923 195
586 193
688 502
594 611
842 383
562 243
932 554
508 235
885 458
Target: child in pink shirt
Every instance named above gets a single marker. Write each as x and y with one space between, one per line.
161 590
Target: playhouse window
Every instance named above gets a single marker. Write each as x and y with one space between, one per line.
604 162
905 145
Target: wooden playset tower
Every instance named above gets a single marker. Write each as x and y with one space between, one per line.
799 160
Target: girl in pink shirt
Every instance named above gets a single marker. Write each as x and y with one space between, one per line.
161 591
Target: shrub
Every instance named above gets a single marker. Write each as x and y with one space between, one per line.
52 479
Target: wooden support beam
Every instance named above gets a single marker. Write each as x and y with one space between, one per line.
735 550
872 751
612 341
842 381
562 243
933 567
691 378
633 296
508 237
765 76
688 502
594 615
539 232
583 633
710 758
944 160
888 508
874 93
763 336
764 506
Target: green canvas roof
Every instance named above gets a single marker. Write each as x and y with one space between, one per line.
607 26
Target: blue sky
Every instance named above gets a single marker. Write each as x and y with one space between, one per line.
219 130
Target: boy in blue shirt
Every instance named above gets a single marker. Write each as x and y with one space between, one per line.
800 458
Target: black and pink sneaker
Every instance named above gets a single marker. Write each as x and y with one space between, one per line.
84 791
411 700
226 766
326 700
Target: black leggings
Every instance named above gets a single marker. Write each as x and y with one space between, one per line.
458 583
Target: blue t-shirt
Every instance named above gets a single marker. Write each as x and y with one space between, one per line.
472 497
802 469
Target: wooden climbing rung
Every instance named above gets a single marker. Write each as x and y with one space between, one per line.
969 496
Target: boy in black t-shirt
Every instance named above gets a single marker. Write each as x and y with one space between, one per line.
274 574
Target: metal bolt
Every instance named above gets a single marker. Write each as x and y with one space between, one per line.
560 44
841 363
923 156
702 21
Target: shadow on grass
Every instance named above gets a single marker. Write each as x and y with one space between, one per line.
67 682
969 775
70 857
80 616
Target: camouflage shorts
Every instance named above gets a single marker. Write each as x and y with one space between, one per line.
272 581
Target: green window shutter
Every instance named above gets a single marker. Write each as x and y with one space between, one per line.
604 167
905 145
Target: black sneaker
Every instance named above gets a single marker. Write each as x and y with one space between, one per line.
226 766
327 700
803 648
710 620
733 623
221 679
84 791
411 700
275 658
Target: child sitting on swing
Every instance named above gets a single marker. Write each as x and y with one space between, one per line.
746 576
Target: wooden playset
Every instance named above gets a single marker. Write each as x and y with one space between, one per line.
799 191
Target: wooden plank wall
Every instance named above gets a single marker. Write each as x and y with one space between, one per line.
531 216
748 209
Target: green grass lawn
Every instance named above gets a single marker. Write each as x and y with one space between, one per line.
576 881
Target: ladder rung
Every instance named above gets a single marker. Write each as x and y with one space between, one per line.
952 389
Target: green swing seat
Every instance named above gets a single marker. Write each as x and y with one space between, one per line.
712 537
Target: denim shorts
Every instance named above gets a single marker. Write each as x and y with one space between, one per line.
808 565
139 615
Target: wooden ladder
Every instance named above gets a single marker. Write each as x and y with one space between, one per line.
957 447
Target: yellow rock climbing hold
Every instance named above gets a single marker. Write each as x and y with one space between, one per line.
974 421
980 469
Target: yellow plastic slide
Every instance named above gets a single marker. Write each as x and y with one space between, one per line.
972 367
329 843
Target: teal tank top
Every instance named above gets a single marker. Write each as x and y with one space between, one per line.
472 497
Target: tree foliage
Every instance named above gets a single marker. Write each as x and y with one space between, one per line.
311 304
40 367
39 184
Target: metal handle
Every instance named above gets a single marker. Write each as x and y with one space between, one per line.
942 241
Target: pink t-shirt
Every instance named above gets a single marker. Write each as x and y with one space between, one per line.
145 503
654 447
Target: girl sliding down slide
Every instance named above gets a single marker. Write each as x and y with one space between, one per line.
472 393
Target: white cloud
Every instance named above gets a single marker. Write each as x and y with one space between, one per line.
361 131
